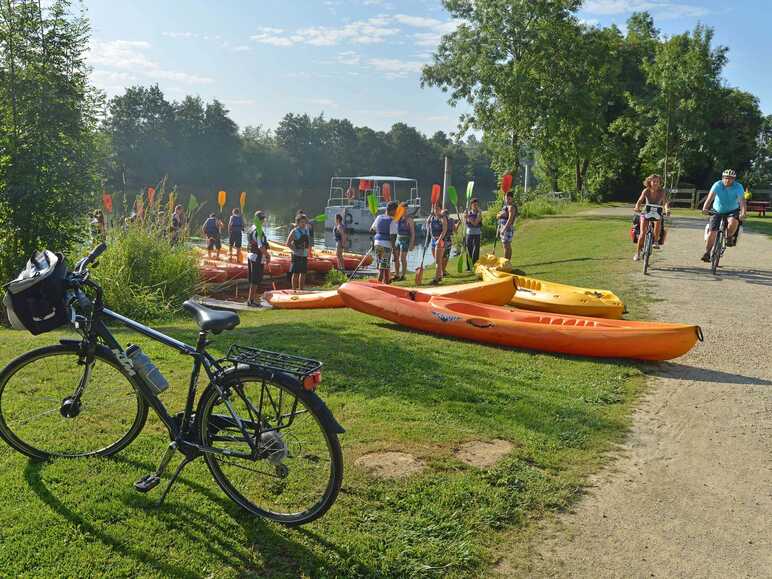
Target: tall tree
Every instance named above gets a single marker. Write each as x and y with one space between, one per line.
47 129
492 59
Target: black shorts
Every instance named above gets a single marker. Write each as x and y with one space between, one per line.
234 238
213 243
715 219
255 269
299 264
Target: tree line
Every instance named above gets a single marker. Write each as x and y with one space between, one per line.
596 109
200 150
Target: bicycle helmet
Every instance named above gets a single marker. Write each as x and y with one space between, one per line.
729 173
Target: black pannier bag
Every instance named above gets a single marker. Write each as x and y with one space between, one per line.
35 300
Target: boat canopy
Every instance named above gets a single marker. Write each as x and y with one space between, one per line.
380 178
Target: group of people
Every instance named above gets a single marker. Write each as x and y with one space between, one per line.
726 199
393 238
212 230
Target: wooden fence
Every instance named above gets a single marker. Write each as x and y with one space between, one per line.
694 198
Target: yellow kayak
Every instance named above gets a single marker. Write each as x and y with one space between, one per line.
496 291
546 296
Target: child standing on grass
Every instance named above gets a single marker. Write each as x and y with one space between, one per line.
299 241
405 243
381 227
437 226
257 258
235 231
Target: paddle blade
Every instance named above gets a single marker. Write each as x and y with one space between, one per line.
107 202
150 195
506 183
243 201
372 204
419 275
453 195
386 192
436 190
192 203
469 191
222 197
460 263
400 213
319 218
258 227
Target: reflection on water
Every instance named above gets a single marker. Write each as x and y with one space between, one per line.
357 243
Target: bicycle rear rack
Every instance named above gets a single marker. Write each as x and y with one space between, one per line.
274 361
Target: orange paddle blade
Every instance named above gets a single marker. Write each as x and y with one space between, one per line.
222 197
506 182
386 192
436 190
400 213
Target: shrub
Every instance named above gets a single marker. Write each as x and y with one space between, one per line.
334 278
144 276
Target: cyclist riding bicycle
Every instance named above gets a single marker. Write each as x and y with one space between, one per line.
726 199
653 194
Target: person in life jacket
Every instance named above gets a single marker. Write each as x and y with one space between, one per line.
299 241
211 230
506 219
341 240
405 243
235 232
473 222
257 258
437 226
381 228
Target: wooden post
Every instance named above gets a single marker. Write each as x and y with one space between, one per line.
445 181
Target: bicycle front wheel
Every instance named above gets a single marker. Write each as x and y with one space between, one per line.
647 250
297 471
43 415
715 254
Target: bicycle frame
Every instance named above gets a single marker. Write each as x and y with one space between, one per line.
179 429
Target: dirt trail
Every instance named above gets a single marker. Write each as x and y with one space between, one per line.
691 493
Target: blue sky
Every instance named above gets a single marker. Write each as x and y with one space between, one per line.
358 59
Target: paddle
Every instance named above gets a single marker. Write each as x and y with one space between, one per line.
364 257
419 272
222 196
372 204
469 195
319 218
243 201
436 190
400 213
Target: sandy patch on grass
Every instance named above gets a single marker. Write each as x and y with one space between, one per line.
389 464
482 453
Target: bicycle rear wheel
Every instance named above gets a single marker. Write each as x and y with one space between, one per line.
297 474
40 417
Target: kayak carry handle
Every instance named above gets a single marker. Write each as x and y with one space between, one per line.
700 337
480 323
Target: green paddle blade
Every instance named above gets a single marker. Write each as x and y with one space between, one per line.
469 191
258 227
453 195
460 263
372 204
320 217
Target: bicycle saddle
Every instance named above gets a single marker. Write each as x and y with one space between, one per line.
213 320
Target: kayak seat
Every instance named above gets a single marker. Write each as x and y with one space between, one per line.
211 320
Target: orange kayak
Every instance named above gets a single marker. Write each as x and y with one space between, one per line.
350 260
575 335
497 292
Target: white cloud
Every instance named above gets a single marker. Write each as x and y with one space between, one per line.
371 31
418 21
348 57
662 8
180 34
395 68
434 29
129 58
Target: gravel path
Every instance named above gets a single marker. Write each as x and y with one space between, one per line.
690 494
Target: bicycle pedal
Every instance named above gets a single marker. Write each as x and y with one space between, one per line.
147 483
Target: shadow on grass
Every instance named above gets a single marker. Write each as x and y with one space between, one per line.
381 365
280 555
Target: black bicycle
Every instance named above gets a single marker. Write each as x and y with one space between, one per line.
719 246
268 439
651 213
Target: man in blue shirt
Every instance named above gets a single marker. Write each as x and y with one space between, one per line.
725 198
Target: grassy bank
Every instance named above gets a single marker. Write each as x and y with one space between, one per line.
393 390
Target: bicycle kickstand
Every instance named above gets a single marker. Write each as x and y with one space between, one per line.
150 481
174 478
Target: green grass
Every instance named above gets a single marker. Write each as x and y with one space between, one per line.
392 389
752 221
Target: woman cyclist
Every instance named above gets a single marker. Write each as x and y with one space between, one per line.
652 194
